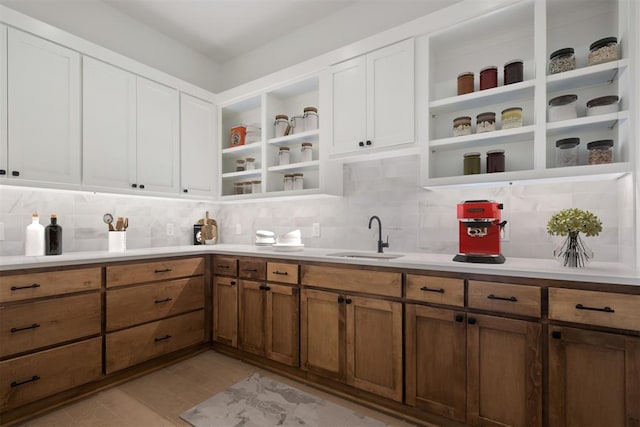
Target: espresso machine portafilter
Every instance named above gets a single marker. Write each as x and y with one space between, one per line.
480 228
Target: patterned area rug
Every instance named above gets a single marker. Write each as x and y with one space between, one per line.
261 401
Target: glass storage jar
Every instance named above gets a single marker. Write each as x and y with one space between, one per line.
562 60
238 188
298 181
563 108
283 155
465 83
247 187
495 161
489 77
512 118
281 126
602 105
471 163
250 163
297 124
600 152
310 118
462 126
513 72
567 152
604 50
485 122
288 181
240 165
306 152
256 187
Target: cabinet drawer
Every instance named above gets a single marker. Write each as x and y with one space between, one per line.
352 280
35 285
438 290
595 308
505 298
225 265
134 345
37 324
282 272
252 269
35 376
140 304
120 275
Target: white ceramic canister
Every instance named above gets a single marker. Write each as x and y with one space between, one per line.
34 237
306 152
563 108
297 124
310 118
603 105
288 182
281 125
117 241
284 156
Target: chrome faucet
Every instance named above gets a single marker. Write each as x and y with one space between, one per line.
381 244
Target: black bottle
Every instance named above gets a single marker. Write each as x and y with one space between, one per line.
53 237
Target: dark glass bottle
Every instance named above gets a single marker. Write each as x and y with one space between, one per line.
53 237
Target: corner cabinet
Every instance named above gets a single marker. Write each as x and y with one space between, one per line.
372 100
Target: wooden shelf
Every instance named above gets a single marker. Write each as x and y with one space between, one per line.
487 138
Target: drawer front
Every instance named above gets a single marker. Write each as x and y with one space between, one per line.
35 376
140 304
120 275
506 298
353 280
134 345
19 287
595 308
252 269
225 265
282 272
438 290
37 324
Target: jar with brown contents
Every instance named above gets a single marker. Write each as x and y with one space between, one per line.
600 152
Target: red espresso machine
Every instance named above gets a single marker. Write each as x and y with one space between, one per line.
480 230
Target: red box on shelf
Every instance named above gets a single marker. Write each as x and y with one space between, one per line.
238 134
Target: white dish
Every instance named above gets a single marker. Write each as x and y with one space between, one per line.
264 244
288 247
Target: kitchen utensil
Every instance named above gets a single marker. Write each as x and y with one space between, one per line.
108 219
479 232
120 224
126 224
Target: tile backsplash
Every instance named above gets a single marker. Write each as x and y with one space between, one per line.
415 219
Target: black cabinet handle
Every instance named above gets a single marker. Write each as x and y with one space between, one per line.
369 142
30 380
185 190
15 173
223 266
251 270
134 185
512 299
265 288
340 299
24 328
424 288
556 335
471 320
164 270
348 301
459 317
361 144
160 301
281 273
166 337
232 283
16 288
604 309
3 172
141 185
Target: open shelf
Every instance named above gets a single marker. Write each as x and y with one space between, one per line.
242 174
480 139
295 167
602 121
586 76
296 138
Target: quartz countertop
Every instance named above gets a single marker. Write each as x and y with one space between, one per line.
596 272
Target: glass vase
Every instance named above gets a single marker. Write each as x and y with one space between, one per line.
573 252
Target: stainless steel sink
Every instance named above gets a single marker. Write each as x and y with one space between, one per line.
366 255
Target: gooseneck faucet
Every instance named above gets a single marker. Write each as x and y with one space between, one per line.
381 244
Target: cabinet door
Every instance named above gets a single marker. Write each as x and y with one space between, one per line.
349 103
504 384
436 358
594 378
251 317
322 333
158 145
390 95
3 102
197 146
225 310
44 107
374 346
282 324
108 125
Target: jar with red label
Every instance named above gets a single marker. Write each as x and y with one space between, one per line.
488 77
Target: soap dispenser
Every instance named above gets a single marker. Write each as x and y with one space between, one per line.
34 237
53 237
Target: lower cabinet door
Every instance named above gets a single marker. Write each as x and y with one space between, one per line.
282 324
134 345
251 334
594 378
225 310
35 376
504 372
436 357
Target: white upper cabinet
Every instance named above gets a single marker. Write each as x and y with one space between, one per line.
373 100
43 111
109 125
197 146
158 138
3 102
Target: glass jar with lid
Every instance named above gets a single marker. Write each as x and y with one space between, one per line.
247 187
297 124
288 181
256 187
238 188
283 155
489 77
600 152
495 161
240 165
465 83
471 163
604 50
485 122
310 118
567 152
602 105
281 126
462 126
250 163
306 152
562 60
298 181
512 118
563 107
513 72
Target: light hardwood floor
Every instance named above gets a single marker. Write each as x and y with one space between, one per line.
158 399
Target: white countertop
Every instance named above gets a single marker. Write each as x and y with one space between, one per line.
596 272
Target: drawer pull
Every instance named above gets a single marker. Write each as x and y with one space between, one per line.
33 326
440 290
556 335
281 273
232 283
348 301
223 266
340 299
164 270
251 270
459 318
17 288
30 380
166 337
265 288
160 301
512 299
605 309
